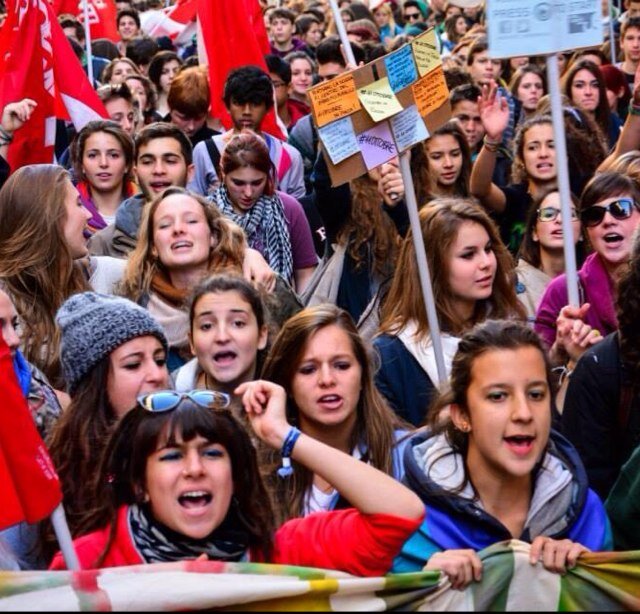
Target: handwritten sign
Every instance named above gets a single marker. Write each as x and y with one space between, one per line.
377 145
401 69
425 51
430 92
334 99
408 128
339 139
379 100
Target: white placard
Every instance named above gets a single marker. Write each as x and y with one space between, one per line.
532 27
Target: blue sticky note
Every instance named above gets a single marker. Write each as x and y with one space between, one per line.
401 68
339 139
408 128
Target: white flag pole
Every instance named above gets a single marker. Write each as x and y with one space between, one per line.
562 170
87 40
423 266
61 528
612 36
416 231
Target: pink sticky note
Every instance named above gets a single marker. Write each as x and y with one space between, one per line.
377 145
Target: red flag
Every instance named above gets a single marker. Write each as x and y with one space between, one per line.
37 62
29 486
177 21
233 35
102 16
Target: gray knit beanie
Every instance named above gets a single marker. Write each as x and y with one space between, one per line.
93 325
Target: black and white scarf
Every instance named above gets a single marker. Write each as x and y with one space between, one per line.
157 543
266 220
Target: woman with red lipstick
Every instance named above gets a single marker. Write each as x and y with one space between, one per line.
274 223
323 364
102 158
472 276
489 468
181 481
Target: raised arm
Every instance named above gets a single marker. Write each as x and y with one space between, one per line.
366 488
14 116
494 113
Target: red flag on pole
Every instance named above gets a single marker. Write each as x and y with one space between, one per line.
29 486
174 21
37 62
102 16
232 35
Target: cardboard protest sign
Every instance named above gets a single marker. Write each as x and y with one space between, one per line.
370 114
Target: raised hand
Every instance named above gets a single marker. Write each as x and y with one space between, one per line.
494 111
15 114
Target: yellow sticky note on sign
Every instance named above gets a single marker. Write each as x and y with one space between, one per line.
334 99
430 92
425 52
379 100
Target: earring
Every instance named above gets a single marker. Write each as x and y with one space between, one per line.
465 427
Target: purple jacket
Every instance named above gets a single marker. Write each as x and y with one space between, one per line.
596 288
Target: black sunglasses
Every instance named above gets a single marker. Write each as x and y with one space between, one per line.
412 16
166 400
620 209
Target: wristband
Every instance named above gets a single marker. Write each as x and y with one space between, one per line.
287 448
6 137
491 145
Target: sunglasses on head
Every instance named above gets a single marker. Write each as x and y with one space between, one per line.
166 400
620 209
549 214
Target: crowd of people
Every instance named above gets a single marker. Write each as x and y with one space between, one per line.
229 358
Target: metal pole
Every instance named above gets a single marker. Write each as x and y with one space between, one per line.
562 170
61 528
87 40
423 266
612 36
342 32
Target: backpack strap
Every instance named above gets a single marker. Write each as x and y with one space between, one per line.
214 154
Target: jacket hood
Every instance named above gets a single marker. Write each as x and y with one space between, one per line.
129 214
437 474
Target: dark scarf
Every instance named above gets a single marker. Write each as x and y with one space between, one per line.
157 543
266 218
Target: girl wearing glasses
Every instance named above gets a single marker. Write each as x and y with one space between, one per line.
323 364
112 351
609 215
541 254
227 335
489 468
472 277
182 482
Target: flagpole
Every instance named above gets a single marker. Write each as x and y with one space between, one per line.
342 32
612 36
562 171
65 541
87 40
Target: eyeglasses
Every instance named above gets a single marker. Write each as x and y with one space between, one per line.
549 214
409 16
620 209
166 400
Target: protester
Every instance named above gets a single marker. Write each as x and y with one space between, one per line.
117 70
207 457
121 106
248 96
610 215
541 254
274 222
472 279
489 468
303 72
102 158
601 416
289 110
162 70
111 351
228 334
145 92
43 257
323 365
528 84
464 108
281 30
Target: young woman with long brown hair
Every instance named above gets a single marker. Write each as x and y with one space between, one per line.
472 277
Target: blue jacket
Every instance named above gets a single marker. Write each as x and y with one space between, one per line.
402 380
562 506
